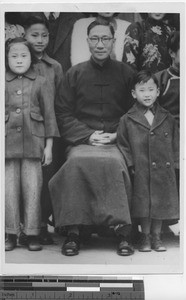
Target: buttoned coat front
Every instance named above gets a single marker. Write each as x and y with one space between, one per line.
154 152
29 115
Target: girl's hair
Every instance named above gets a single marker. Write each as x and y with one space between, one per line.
32 20
100 22
16 40
174 41
144 76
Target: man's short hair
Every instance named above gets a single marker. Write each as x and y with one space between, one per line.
102 23
174 41
32 20
144 76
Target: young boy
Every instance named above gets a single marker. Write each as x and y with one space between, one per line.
149 141
37 34
169 79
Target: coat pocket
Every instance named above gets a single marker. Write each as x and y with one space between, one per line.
6 123
37 124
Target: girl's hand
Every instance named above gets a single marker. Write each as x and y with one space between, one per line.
47 154
47 157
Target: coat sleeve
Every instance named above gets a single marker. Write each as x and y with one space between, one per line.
71 129
123 141
47 108
176 143
58 75
132 45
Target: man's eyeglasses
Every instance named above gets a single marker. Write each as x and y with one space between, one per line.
104 39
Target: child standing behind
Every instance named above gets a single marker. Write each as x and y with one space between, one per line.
149 140
30 126
169 79
37 34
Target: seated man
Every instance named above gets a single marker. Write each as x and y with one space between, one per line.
93 187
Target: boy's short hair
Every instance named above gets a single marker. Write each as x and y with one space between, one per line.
174 41
16 40
100 22
32 20
144 76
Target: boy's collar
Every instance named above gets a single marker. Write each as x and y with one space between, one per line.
144 109
174 71
46 58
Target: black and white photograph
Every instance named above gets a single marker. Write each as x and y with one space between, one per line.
92 138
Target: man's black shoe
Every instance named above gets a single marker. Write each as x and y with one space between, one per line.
71 245
124 248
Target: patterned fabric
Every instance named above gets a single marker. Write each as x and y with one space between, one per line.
146 45
13 31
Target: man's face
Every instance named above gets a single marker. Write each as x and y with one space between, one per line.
100 41
38 37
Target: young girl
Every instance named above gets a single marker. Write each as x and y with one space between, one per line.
29 130
146 44
149 140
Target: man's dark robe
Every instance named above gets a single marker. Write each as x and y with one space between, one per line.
93 186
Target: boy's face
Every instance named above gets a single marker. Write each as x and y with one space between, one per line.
146 93
19 58
38 37
175 59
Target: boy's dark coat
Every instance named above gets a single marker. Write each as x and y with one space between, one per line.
154 152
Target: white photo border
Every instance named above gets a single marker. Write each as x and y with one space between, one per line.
133 7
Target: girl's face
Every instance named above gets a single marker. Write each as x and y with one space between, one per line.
38 37
146 93
19 58
156 16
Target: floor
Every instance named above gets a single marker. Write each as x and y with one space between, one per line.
100 251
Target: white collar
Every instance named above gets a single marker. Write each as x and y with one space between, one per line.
55 14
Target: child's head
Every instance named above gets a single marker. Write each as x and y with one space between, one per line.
36 33
145 88
156 16
18 55
174 48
